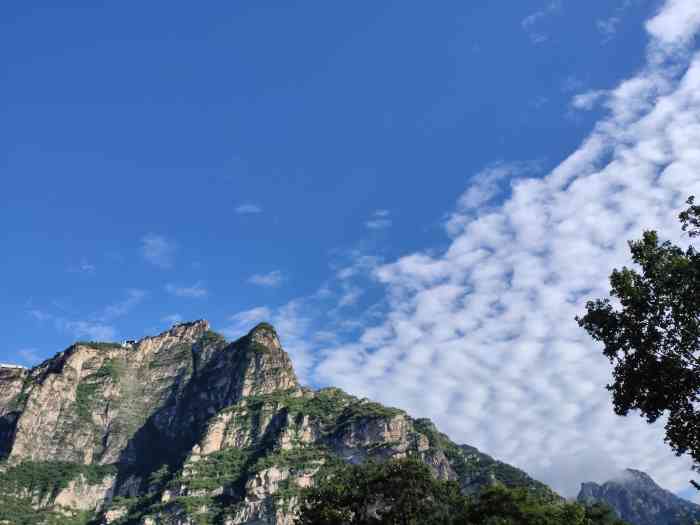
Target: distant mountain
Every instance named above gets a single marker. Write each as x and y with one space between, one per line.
186 427
637 499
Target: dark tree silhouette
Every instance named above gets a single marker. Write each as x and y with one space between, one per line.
651 334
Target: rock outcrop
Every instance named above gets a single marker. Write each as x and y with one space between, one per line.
185 427
637 499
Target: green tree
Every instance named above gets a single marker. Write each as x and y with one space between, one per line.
652 334
498 505
404 492
600 514
401 492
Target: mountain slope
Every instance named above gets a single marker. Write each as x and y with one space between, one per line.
636 498
185 427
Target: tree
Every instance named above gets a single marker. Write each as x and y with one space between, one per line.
399 492
652 337
498 505
404 492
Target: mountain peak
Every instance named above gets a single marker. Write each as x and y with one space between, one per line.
637 499
189 328
265 335
631 476
187 416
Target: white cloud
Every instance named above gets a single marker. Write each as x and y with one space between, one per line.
380 220
40 315
359 263
113 311
89 330
486 186
378 224
676 24
242 322
482 337
532 22
196 291
29 356
248 209
608 26
97 326
571 84
172 319
588 100
158 250
270 280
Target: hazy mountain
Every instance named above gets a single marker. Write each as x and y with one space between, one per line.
636 498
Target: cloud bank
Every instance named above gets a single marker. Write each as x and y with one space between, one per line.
482 337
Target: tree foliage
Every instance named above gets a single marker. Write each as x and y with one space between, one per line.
397 492
404 492
651 334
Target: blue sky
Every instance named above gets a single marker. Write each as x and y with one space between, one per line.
122 123
338 169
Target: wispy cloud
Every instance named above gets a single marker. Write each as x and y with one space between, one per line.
481 336
172 319
248 209
89 330
134 297
380 219
271 279
531 23
242 322
96 326
39 315
588 100
84 266
158 250
357 263
196 291
608 26
29 356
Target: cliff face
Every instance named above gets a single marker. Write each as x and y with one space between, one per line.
186 427
11 383
637 499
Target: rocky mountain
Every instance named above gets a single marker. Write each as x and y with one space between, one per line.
637 499
188 428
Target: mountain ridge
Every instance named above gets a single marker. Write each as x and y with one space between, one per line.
186 427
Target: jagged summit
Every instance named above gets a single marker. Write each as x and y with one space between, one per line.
639 500
631 476
266 335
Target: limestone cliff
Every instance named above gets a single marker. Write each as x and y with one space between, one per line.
185 427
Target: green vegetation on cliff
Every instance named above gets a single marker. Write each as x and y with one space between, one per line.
19 511
26 485
48 477
476 469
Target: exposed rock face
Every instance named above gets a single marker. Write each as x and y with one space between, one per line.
185 427
637 499
11 382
